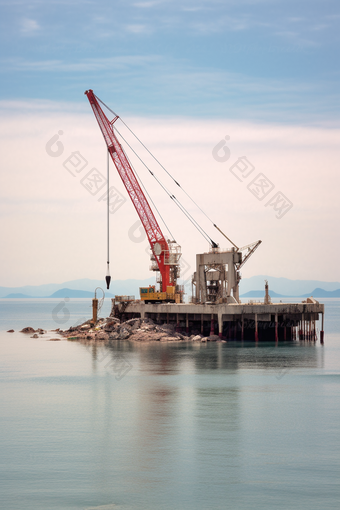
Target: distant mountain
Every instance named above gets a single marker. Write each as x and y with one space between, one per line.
285 286
316 293
129 287
64 293
278 288
70 293
260 294
321 293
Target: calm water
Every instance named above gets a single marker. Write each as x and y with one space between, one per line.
208 426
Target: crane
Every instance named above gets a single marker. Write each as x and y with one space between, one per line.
165 253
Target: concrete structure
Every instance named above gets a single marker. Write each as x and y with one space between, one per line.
216 308
216 279
234 321
267 299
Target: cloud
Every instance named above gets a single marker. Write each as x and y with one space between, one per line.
168 85
82 65
220 26
148 5
17 107
46 209
137 29
297 39
29 26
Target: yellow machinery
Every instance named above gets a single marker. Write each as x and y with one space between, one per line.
149 294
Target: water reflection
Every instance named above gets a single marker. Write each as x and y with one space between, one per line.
170 359
166 426
191 426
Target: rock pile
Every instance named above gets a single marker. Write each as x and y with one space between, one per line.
137 330
112 329
35 331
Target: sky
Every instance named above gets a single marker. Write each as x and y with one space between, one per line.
226 94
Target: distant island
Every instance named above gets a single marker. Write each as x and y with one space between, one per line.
62 293
316 293
84 288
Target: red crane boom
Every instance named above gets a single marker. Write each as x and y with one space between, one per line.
158 243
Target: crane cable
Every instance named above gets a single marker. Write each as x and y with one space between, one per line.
182 208
146 191
160 164
176 201
108 276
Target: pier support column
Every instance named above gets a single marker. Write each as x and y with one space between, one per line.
321 332
242 329
167 318
256 330
202 324
187 324
94 310
276 328
220 324
212 325
303 326
177 323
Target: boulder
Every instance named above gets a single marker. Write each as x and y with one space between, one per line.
111 326
10 331
169 339
196 338
140 336
147 336
35 336
170 328
132 322
125 326
157 335
27 330
179 336
146 327
213 338
136 325
102 337
111 321
148 321
124 333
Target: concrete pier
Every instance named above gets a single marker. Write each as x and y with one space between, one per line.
233 321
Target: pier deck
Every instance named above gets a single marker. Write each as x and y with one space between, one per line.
238 321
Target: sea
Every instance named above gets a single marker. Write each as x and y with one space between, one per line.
178 426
